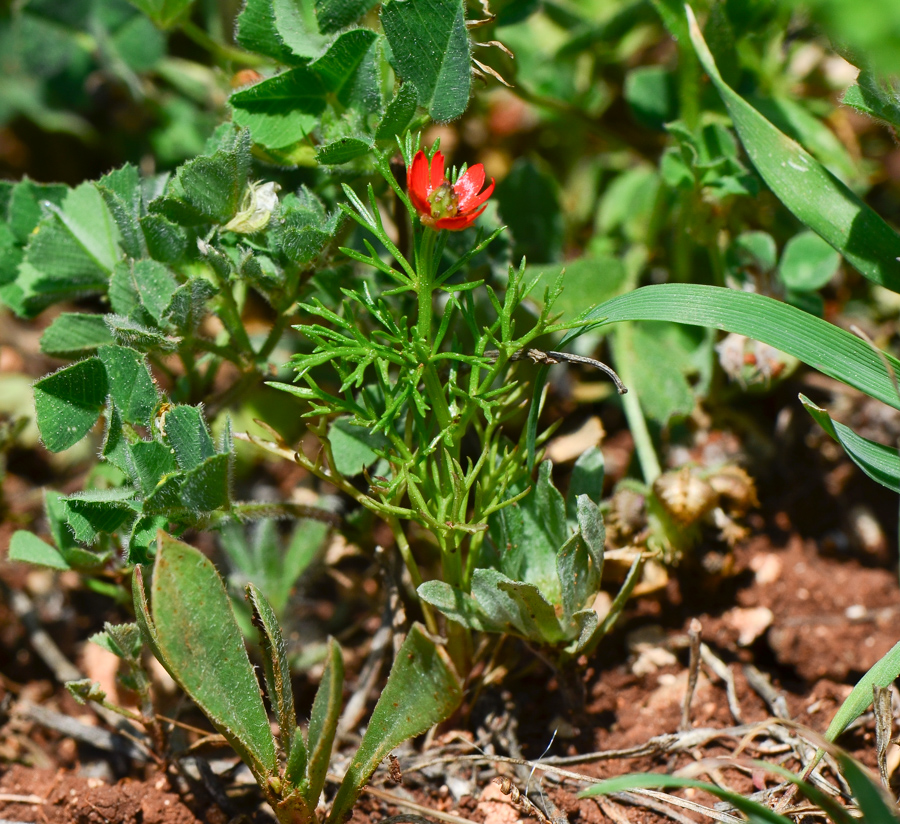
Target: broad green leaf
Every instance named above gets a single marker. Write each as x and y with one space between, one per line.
130 383
68 403
214 185
201 646
350 69
881 463
277 668
298 28
115 442
55 510
143 537
529 204
535 614
399 113
256 31
121 191
875 97
71 253
207 487
587 479
754 811
342 150
166 241
188 306
130 333
282 110
334 15
25 546
353 446
808 190
592 529
75 334
422 690
141 283
430 48
24 211
458 606
585 281
295 763
651 94
497 605
165 13
186 432
823 346
808 262
151 460
527 536
96 511
323 721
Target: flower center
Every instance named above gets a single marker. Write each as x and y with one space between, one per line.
444 202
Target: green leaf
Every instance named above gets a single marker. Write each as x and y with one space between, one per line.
527 536
214 185
808 262
808 190
201 646
298 28
755 811
71 253
587 479
529 204
151 461
458 606
349 69
207 486
399 113
422 690
256 31
121 191
166 241
130 333
277 668
96 511
75 334
186 432
431 49
27 547
295 763
165 13
650 92
881 463
143 283
188 305
535 615
24 210
282 110
115 442
323 721
342 150
875 97
68 403
353 446
130 383
334 15
874 803
823 346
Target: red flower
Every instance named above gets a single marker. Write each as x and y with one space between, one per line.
443 205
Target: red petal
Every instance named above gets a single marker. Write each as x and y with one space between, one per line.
455 224
437 171
468 185
417 183
475 202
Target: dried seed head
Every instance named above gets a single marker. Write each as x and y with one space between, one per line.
684 495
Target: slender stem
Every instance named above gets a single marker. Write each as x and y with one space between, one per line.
637 423
220 50
412 566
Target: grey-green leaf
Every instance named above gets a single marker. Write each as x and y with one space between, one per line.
323 721
202 647
422 690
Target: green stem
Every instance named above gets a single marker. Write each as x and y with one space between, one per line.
220 50
413 567
631 403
